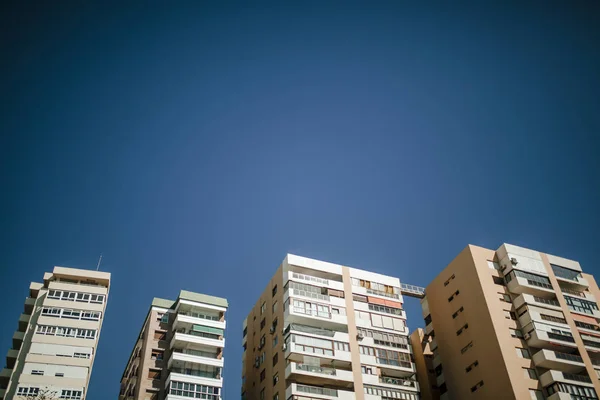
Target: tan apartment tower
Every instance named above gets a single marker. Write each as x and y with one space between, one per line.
513 323
55 345
179 351
322 331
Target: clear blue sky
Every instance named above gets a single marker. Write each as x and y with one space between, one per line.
200 142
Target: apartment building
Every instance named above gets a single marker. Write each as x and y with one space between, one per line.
179 351
423 355
55 344
513 323
328 332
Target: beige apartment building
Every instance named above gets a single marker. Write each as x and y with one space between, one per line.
179 352
322 331
508 324
55 344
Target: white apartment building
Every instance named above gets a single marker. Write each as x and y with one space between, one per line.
329 332
179 352
55 345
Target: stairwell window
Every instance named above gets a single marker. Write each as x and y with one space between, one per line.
464 328
467 347
530 373
516 333
461 309
479 384
453 296
449 279
473 365
523 353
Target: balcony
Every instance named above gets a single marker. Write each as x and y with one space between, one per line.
321 316
192 376
570 277
543 337
398 383
183 339
525 298
429 328
297 352
318 375
24 321
29 305
520 282
17 339
179 357
560 361
314 280
187 319
316 392
553 376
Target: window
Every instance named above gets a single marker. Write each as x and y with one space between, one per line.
449 279
587 326
37 372
340 346
276 396
275 340
275 379
27 391
530 373
157 355
516 333
565 273
382 392
498 280
263 307
467 347
66 332
262 342
505 297
493 265
154 374
479 384
71 394
582 306
470 367
262 324
274 291
461 309
160 335
165 319
523 311
275 307
465 327
81 355
71 314
194 390
385 339
552 318
386 310
262 394
366 370
360 298
536 394
532 279
453 296
159 316
263 375
59 374
262 357
523 353
275 359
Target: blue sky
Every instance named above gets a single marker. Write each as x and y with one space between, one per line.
201 142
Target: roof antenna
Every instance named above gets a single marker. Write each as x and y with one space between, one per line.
99 261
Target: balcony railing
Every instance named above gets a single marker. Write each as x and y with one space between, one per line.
571 291
550 302
576 377
317 390
558 336
395 363
310 278
194 372
591 343
197 353
316 369
570 357
397 381
595 361
385 294
199 315
312 312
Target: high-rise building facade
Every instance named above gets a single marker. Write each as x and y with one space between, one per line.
179 351
55 344
513 323
326 331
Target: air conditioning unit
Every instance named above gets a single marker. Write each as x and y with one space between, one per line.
526 336
513 261
284 347
360 336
